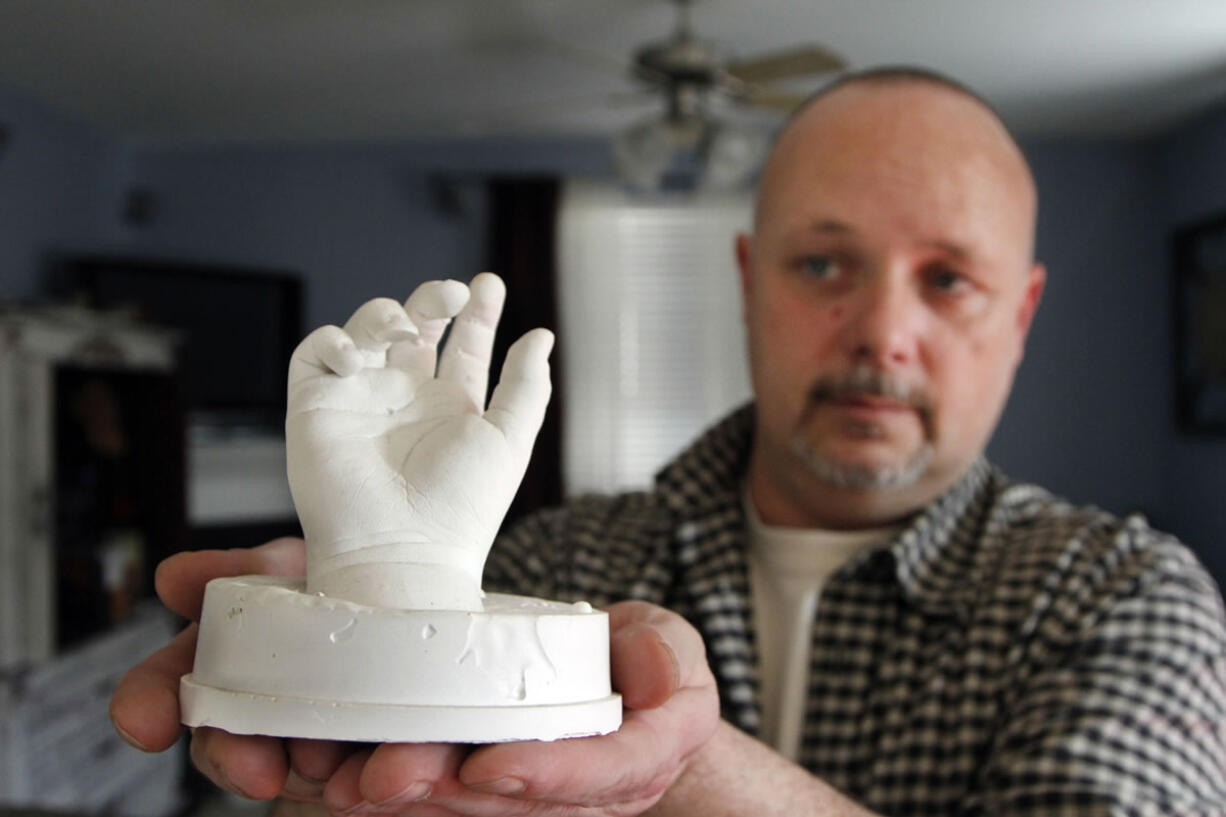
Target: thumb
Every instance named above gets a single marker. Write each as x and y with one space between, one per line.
654 653
518 403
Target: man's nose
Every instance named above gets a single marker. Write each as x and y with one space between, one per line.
886 326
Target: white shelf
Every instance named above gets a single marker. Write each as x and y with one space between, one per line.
237 479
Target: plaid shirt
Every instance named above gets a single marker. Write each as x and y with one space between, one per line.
1008 653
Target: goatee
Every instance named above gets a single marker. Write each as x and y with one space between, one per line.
865 381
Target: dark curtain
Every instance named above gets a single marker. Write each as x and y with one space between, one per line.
520 247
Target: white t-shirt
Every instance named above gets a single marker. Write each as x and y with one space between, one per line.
787 568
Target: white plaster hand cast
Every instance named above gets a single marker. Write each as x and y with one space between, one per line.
399 473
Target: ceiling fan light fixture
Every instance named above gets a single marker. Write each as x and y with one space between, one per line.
685 148
688 154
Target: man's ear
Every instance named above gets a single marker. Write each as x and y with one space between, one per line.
744 249
1036 280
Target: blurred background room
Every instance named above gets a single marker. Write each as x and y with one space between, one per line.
187 188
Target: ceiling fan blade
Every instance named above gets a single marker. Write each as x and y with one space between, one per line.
592 57
767 98
515 117
790 62
602 61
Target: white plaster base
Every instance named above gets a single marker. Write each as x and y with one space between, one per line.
273 660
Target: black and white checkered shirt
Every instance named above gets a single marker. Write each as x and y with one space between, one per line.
1007 654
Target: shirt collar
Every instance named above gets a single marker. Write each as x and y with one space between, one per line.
937 558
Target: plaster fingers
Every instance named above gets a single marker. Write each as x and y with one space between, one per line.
466 357
376 325
327 350
517 406
430 308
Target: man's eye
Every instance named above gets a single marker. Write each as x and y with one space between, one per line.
947 280
819 266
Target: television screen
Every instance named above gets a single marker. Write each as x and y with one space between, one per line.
239 326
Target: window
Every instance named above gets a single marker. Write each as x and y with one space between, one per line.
650 323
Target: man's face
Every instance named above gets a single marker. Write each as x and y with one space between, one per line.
888 290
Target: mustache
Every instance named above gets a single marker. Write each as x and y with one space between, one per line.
866 381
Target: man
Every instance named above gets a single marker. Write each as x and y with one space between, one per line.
913 633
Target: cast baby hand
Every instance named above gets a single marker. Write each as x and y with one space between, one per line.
399 472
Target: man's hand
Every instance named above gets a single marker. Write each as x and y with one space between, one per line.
658 664
400 474
145 705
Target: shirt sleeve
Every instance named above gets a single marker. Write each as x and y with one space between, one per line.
1130 719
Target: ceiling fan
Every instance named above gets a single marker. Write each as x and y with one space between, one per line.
688 147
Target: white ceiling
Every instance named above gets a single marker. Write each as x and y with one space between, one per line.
185 71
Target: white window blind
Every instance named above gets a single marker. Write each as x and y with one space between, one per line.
650 321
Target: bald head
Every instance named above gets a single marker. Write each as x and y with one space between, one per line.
920 124
888 288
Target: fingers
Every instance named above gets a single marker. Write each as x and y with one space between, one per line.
180 580
145 704
311 764
394 775
252 766
659 666
644 669
327 350
288 807
466 358
316 759
409 336
517 406
379 323
431 307
636 763
653 653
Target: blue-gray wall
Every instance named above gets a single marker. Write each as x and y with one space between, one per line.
354 221
1190 167
59 182
1091 416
